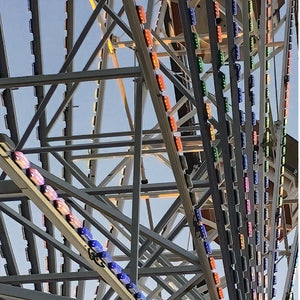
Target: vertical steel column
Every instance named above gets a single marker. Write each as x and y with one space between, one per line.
262 112
225 147
44 158
249 129
8 101
224 242
136 181
63 69
291 267
6 249
68 114
278 146
142 54
236 128
97 129
7 94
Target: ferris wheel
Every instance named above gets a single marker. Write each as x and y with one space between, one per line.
148 149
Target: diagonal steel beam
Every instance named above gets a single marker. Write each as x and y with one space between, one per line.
86 67
6 248
82 76
7 94
63 69
8 102
12 170
145 63
189 285
43 235
291 267
114 214
224 242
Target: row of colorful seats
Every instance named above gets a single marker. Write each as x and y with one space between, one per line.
34 175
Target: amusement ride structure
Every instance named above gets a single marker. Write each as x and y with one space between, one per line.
146 149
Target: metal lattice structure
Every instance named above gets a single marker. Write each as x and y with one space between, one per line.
149 131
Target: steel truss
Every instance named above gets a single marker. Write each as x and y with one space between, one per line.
144 177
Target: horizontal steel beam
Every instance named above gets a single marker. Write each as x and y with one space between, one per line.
36 80
15 293
153 151
92 275
195 139
9 189
114 134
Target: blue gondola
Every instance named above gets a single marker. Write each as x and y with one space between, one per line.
266 182
192 16
95 245
277 244
265 260
235 29
203 232
257 237
251 81
245 162
274 280
207 248
237 52
243 139
140 296
266 197
115 268
240 95
234 8
242 118
275 268
237 68
276 255
253 119
105 256
198 215
124 278
85 233
273 292
255 177
256 197
252 98
132 288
